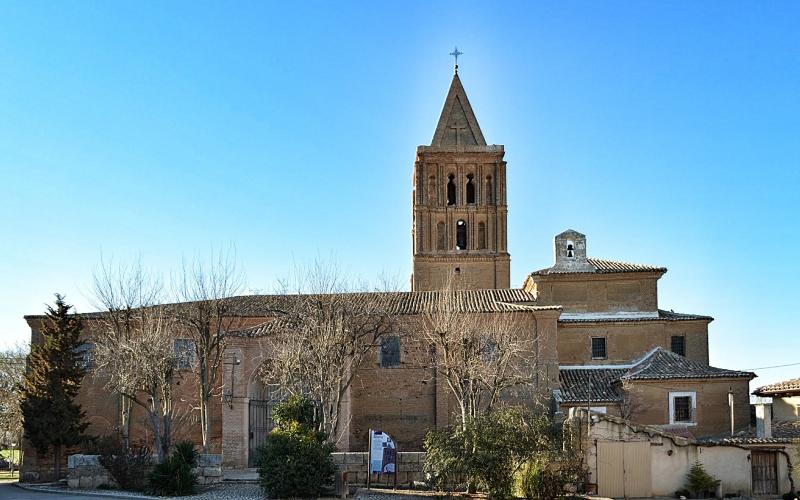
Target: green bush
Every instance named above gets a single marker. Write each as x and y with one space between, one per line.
174 476
296 409
698 481
489 451
548 475
295 460
127 466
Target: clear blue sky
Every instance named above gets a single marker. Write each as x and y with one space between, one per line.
668 132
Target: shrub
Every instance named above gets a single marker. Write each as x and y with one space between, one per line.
174 476
127 466
540 479
489 451
699 481
790 496
297 409
295 460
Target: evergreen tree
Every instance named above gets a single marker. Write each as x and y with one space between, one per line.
51 417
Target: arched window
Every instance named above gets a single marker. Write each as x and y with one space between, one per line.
570 249
470 189
489 190
451 190
481 236
461 235
441 236
432 190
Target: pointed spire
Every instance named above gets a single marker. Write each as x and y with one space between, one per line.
457 124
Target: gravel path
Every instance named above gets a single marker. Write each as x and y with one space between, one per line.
222 491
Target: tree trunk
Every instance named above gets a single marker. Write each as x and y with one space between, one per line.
56 462
204 413
125 420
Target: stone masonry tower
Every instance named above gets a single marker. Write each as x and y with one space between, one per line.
459 226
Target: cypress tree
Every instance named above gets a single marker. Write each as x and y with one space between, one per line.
51 417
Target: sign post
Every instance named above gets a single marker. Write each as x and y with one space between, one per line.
382 455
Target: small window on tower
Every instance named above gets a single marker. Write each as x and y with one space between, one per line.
570 249
481 236
470 189
461 235
451 189
489 190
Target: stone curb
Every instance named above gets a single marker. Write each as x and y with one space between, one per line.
77 492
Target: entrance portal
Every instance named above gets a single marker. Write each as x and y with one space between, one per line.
262 400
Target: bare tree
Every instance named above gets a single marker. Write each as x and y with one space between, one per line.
630 405
134 348
12 370
482 356
141 368
121 291
209 310
322 336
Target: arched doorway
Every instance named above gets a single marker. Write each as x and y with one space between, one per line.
263 399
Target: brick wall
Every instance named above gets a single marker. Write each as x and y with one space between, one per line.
626 341
650 403
587 292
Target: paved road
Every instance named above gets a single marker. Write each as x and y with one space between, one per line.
9 491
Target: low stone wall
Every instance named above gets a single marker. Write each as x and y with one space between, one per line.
409 468
85 471
209 469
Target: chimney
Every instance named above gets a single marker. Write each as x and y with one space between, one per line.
764 420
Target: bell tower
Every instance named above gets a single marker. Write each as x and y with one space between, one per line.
459 204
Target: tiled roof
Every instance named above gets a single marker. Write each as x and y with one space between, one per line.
612 266
791 386
789 429
603 266
783 431
660 364
598 382
580 385
415 302
468 301
659 315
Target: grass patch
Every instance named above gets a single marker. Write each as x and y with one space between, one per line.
10 454
7 476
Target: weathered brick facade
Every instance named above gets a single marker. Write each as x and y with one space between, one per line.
572 310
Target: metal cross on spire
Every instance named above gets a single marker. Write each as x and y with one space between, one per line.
455 54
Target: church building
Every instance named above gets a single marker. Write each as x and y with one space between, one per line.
603 339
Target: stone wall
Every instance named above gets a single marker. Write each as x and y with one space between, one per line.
409 468
86 472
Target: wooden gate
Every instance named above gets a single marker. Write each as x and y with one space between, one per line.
765 472
623 469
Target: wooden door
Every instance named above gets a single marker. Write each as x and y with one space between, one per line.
637 470
610 470
623 469
765 472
